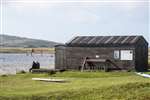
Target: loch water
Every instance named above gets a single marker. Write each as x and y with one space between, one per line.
11 63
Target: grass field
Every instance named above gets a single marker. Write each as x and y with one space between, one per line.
80 86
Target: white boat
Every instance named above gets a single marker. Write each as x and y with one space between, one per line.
49 80
144 75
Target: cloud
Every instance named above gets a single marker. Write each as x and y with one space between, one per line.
28 3
78 2
125 5
56 19
81 16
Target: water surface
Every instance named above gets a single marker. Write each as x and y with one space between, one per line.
14 62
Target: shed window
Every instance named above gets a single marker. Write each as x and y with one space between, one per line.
97 56
116 54
126 54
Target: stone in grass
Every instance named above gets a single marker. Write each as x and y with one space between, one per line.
2 72
21 72
52 72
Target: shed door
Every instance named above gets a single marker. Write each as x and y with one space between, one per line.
126 54
60 58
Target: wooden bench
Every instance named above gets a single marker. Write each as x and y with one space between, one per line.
104 64
91 63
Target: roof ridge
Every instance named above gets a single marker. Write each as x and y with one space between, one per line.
104 40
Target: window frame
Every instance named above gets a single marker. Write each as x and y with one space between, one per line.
116 54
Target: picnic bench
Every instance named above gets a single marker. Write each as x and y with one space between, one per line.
102 64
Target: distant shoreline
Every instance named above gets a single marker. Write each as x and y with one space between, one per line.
27 50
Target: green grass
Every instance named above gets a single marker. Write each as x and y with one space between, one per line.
97 74
80 86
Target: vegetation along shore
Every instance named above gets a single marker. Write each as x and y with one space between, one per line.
26 50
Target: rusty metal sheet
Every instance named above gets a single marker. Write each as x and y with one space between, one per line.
117 39
103 40
100 39
134 39
110 38
93 39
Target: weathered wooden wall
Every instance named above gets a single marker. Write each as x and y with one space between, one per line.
141 55
60 57
76 55
72 57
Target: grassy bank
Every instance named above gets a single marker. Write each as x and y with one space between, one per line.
80 86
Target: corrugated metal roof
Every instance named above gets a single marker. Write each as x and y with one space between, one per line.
103 40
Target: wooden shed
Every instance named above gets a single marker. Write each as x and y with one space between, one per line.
100 52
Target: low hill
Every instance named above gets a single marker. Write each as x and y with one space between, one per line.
15 41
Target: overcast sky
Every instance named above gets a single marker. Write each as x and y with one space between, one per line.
61 20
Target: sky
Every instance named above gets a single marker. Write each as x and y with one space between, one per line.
61 20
